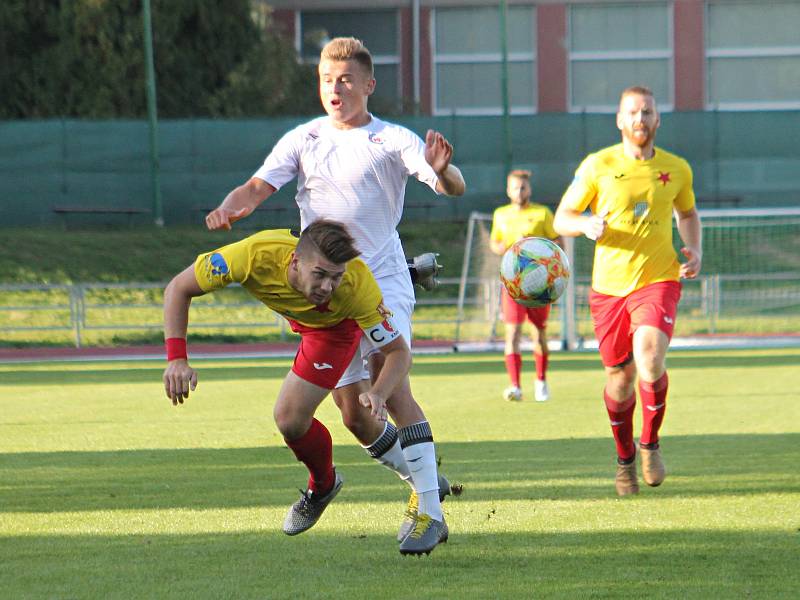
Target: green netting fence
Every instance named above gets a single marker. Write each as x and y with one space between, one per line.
742 159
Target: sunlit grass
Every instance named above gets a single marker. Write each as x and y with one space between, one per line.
106 490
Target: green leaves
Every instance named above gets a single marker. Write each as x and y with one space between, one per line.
85 59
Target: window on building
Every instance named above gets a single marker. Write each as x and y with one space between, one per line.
614 46
753 55
467 71
380 32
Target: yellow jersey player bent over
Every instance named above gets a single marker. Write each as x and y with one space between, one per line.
332 300
632 190
352 167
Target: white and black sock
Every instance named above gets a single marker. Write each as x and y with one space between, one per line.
387 451
417 443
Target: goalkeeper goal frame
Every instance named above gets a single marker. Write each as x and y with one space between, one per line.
749 282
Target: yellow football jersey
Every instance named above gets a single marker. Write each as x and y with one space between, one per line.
639 197
260 264
511 223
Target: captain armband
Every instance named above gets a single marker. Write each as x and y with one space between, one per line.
382 333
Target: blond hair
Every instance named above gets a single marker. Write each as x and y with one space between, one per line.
523 174
348 48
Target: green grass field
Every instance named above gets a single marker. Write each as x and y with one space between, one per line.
107 491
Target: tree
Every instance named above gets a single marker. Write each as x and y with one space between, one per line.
85 59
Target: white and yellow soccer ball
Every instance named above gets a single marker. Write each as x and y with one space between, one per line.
535 271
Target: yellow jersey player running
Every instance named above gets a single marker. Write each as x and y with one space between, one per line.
332 300
512 222
632 190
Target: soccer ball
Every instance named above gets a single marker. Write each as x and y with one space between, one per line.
535 271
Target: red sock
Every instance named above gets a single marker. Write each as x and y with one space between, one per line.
621 416
315 450
541 365
514 367
654 405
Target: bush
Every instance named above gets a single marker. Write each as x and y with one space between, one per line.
85 59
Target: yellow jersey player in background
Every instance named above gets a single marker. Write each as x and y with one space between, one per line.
632 190
512 222
332 300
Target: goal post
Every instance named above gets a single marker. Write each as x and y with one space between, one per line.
479 292
749 285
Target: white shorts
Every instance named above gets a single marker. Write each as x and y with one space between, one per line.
398 296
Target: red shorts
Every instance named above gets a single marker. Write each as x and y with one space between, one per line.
325 353
616 318
515 314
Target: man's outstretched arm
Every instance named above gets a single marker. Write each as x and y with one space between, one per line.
569 222
239 203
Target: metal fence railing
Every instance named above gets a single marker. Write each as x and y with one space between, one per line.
109 313
459 311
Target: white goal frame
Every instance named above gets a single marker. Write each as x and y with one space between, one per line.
567 303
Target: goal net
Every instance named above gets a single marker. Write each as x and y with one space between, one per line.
749 285
479 312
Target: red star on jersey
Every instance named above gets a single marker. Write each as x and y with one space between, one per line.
663 178
323 308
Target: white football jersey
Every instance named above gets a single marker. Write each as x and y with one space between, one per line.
356 176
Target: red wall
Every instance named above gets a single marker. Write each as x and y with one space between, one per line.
551 59
689 55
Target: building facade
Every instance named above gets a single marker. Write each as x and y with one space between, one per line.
450 57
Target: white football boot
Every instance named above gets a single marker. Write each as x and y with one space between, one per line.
541 391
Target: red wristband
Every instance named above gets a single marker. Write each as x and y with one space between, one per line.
176 348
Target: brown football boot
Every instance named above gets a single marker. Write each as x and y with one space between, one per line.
653 471
626 481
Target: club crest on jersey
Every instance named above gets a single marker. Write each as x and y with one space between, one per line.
640 209
383 311
218 264
375 138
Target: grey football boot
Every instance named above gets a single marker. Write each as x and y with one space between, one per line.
425 536
424 270
305 513
410 516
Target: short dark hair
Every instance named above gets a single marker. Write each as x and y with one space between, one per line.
330 239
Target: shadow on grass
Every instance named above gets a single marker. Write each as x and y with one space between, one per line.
59 374
566 469
693 563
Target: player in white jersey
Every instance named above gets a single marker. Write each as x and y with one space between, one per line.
352 167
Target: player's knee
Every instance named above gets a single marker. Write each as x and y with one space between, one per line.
650 366
404 409
620 382
290 424
358 421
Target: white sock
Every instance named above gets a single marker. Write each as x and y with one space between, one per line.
420 455
387 451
